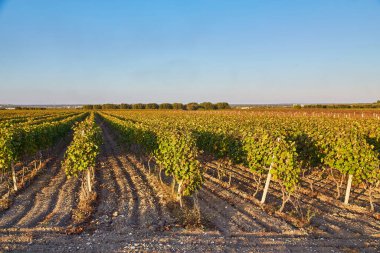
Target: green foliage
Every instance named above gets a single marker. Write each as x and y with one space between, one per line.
178 106
293 144
207 106
125 106
166 106
222 105
152 106
88 107
284 166
192 106
138 106
18 140
84 149
10 146
309 156
257 148
349 152
133 133
110 106
177 154
220 143
266 150
174 150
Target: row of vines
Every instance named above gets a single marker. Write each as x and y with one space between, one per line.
274 147
173 148
80 156
20 140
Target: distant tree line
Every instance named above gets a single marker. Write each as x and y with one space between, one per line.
343 106
163 106
29 108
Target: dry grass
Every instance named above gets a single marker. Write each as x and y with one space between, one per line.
86 207
5 204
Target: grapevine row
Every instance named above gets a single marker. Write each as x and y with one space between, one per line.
173 149
18 141
289 149
80 156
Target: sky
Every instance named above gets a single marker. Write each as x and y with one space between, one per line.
239 51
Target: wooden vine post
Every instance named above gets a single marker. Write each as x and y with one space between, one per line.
269 177
14 176
348 189
89 180
265 192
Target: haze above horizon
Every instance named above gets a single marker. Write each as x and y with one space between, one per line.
241 52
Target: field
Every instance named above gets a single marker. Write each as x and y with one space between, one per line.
265 180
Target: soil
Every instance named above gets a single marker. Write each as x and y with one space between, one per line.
134 212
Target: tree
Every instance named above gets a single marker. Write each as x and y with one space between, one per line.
97 107
125 106
88 107
110 106
166 106
208 106
138 106
223 105
192 106
178 106
151 106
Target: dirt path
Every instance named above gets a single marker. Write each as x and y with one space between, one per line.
329 218
126 200
47 201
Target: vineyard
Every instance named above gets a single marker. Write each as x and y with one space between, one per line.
170 180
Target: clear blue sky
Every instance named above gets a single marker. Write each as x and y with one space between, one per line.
240 51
